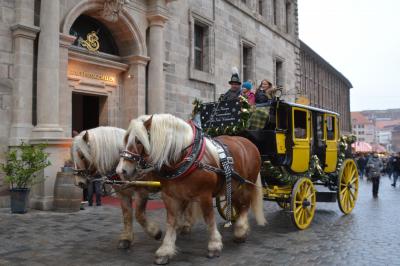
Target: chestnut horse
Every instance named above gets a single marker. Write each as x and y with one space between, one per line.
98 151
162 140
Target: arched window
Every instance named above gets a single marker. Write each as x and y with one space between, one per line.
93 33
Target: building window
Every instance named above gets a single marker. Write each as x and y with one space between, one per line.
201 59
279 79
199 47
260 7
84 26
287 16
247 58
274 10
248 62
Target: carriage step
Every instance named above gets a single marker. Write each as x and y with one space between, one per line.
326 196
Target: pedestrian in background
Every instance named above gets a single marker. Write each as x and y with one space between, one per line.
94 187
361 163
395 168
374 169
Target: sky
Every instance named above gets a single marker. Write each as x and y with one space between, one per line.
361 39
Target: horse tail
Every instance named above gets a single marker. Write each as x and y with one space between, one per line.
257 202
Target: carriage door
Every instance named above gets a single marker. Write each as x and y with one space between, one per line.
301 139
331 137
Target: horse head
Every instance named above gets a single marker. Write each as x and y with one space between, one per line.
137 147
83 159
158 140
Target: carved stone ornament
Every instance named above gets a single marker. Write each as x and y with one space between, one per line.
112 9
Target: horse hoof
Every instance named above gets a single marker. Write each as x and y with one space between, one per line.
124 244
158 235
239 240
213 254
161 260
185 230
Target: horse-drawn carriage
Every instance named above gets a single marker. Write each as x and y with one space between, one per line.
296 148
301 148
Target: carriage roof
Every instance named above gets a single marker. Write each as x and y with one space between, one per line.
311 108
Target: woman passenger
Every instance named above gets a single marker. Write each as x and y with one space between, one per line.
265 92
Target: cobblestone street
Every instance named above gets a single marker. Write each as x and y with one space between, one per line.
368 236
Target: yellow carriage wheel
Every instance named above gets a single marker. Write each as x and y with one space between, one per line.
220 202
303 203
284 204
347 186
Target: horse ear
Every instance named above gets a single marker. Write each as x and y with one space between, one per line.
86 136
147 123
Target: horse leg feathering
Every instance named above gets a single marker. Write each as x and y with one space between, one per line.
126 207
151 228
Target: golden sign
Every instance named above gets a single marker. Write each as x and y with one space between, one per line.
92 75
91 42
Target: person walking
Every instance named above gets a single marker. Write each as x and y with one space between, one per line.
395 168
361 163
374 168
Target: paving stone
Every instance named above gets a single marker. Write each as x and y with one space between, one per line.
368 236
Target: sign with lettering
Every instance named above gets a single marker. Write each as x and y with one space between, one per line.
220 114
92 75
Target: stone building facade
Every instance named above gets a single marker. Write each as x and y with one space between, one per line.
75 64
324 86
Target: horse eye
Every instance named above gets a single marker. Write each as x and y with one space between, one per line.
137 141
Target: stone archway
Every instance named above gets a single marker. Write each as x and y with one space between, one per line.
130 65
125 28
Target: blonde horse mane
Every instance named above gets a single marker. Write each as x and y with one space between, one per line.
102 149
167 138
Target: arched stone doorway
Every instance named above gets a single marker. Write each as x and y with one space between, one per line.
111 81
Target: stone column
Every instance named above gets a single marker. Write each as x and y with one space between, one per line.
48 71
134 89
24 34
65 94
156 79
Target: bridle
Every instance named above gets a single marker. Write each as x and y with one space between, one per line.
135 157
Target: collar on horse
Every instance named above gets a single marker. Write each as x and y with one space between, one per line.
192 158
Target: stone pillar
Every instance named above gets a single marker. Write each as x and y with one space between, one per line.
156 79
24 34
48 129
48 71
134 89
65 94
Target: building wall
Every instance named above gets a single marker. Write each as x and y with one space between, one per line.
324 86
231 24
364 132
7 18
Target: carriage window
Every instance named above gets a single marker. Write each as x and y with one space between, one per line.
300 124
282 118
320 131
330 127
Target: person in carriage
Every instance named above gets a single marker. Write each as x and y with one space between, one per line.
247 93
234 92
264 96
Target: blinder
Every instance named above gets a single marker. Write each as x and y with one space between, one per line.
134 157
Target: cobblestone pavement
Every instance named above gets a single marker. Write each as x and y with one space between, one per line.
368 236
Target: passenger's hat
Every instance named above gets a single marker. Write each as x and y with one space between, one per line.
235 79
247 85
